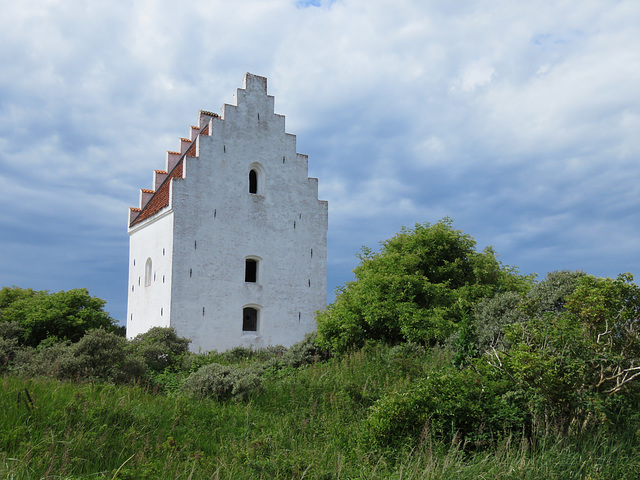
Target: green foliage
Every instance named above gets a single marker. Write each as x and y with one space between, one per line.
98 355
220 382
161 347
63 315
466 407
417 288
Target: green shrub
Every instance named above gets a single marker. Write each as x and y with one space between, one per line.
220 382
160 347
461 406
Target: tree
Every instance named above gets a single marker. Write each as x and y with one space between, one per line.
64 315
417 288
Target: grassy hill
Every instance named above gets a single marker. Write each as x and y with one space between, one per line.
307 422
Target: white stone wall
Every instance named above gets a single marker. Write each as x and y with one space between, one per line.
217 224
150 305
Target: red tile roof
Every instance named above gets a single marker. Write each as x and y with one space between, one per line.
160 198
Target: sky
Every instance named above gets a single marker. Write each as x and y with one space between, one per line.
518 120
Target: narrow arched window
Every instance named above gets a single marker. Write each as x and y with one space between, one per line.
249 319
253 181
148 267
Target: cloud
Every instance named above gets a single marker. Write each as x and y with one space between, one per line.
518 120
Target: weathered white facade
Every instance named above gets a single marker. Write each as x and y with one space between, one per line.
229 247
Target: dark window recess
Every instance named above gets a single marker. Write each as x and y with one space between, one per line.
163 252
312 253
161 311
309 282
132 288
131 316
162 278
224 149
253 181
294 224
249 319
299 316
251 270
282 159
203 311
138 281
154 276
215 212
134 262
195 244
190 272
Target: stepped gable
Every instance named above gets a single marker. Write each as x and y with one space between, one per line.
160 198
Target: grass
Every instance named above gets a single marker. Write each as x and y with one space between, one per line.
302 423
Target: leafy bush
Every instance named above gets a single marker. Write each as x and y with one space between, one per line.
417 288
64 315
161 347
98 355
220 382
461 406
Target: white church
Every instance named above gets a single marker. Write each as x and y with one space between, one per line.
229 245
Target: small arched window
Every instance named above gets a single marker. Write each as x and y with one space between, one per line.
253 181
249 319
148 267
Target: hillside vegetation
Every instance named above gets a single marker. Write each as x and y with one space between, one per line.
435 362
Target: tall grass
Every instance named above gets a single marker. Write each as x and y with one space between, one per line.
301 423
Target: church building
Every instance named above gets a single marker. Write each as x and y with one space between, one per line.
229 245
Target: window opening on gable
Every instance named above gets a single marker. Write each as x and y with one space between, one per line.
249 319
147 272
253 181
251 270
